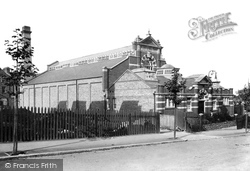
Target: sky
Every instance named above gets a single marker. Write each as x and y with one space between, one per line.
64 30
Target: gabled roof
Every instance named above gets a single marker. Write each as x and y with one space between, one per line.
150 83
195 79
3 72
92 70
149 41
73 62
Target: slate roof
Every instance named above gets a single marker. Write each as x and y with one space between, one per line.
142 70
152 84
93 70
3 73
197 77
193 79
189 82
162 80
109 52
167 66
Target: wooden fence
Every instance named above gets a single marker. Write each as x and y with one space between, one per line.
50 124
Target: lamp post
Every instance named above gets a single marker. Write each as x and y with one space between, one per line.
201 114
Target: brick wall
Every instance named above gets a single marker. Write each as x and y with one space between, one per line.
131 93
66 94
117 71
5 98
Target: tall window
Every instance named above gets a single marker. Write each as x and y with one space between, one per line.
226 101
108 104
3 89
169 103
189 105
114 103
215 105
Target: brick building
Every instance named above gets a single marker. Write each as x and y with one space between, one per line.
203 94
5 98
87 82
127 78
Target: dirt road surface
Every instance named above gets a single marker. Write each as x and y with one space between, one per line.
230 154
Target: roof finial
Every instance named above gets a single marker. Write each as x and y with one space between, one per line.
149 32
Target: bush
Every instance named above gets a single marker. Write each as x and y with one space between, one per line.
208 118
223 114
193 124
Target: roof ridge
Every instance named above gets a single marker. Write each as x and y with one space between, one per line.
99 53
97 57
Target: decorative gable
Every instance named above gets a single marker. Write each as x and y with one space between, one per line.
128 76
130 80
204 80
150 41
149 51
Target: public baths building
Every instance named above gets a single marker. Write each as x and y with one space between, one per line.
130 77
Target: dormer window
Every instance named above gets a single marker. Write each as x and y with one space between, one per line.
159 72
168 71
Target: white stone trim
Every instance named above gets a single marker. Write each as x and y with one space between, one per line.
160 108
160 102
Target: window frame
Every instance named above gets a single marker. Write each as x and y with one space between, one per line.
114 103
169 104
189 106
215 105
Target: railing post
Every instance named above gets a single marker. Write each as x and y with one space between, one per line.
130 124
96 123
35 124
158 122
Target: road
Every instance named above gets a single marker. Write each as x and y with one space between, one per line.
230 154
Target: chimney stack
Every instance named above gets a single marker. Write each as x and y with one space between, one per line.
26 32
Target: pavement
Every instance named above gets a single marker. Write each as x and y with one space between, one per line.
69 146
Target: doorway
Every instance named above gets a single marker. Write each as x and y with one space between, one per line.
201 107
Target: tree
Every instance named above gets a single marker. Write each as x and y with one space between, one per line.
245 97
174 87
19 48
